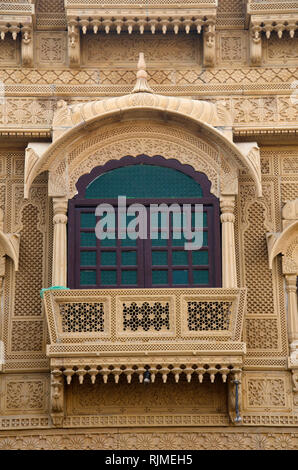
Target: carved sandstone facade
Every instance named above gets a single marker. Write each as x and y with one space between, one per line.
219 97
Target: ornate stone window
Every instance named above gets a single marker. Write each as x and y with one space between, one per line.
160 262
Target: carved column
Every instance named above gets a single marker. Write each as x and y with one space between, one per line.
291 289
229 274
60 248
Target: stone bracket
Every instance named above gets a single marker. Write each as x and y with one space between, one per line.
19 20
33 153
268 17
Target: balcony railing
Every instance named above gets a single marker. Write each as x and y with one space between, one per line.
128 331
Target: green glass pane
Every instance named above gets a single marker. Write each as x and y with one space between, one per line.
108 258
108 278
179 257
159 277
179 241
201 277
129 258
159 258
205 220
180 277
143 181
129 277
88 220
87 278
205 239
128 242
88 258
88 239
200 257
159 241
108 242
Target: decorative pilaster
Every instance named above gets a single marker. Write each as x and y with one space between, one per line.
291 288
229 274
59 248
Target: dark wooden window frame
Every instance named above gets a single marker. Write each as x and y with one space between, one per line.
80 204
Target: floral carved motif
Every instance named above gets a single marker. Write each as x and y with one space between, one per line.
25 396
266 393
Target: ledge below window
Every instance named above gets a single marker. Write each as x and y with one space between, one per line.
114 328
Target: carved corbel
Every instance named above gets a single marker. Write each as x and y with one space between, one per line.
33 153
57 186
27 46
255 45
57 397
251 151
209 45
74 50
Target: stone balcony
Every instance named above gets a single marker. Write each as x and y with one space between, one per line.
126 331
106 336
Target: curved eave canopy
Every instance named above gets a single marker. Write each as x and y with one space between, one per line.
9 245
212 122
279 243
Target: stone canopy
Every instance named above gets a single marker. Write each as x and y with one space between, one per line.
208 127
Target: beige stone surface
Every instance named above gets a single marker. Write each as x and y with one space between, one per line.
219 94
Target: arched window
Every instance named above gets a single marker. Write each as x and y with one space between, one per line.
159 262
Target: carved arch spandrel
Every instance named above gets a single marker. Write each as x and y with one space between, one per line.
110 119
132 138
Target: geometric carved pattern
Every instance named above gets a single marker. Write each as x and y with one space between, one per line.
146 316
86 317
29 278
289 190
8 52
261 333
27 336
209 316
258 277
101 49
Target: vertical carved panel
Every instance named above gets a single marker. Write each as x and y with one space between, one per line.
29 279
257 274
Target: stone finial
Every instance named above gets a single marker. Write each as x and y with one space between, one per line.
141 85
